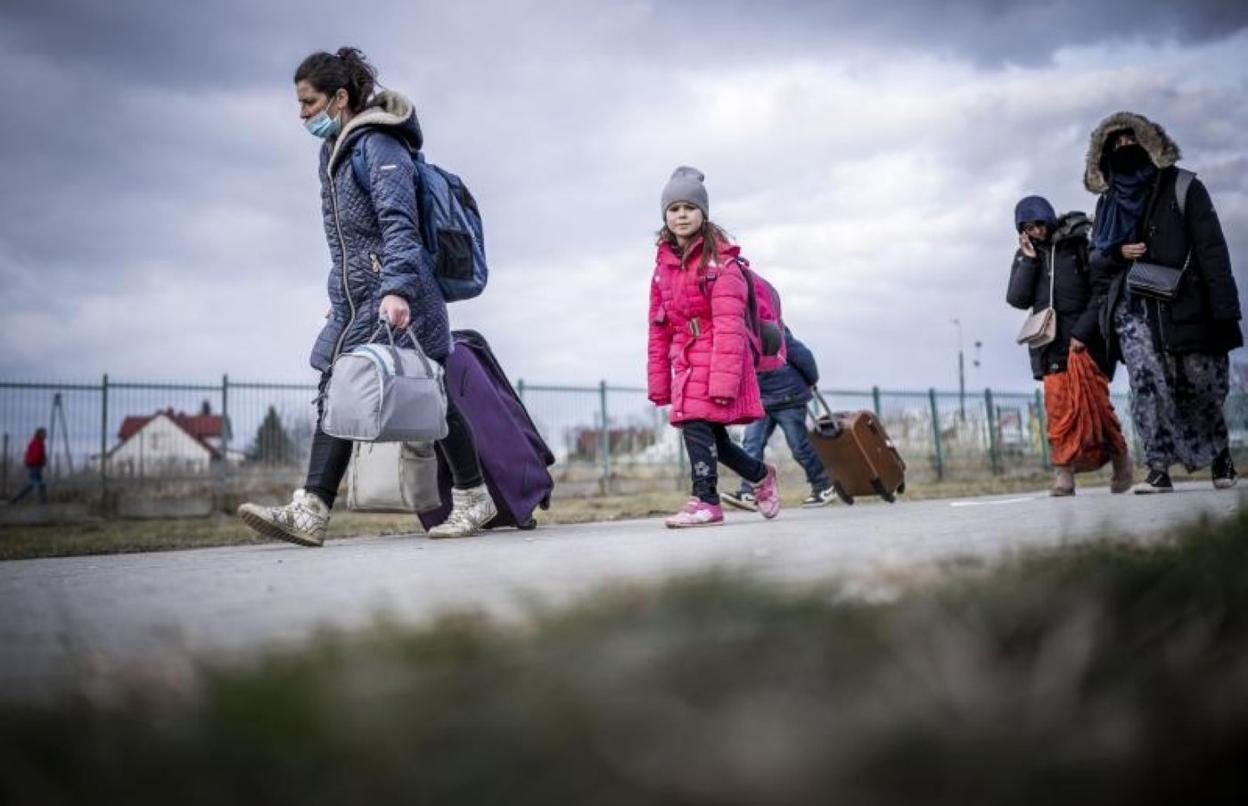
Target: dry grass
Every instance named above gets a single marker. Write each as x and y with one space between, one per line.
1101 674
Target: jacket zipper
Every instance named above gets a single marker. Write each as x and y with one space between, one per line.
342 246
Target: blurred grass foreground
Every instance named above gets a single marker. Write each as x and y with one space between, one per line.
1105 673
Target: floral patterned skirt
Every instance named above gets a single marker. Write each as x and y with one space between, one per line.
1177 400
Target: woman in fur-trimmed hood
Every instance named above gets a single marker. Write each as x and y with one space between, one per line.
1175 349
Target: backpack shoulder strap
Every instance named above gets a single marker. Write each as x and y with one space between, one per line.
743 266
751 304
707 278
359 166
1182 184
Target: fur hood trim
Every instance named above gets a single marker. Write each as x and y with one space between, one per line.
1163 151
387 109
1074 224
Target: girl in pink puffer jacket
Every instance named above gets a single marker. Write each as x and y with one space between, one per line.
699 359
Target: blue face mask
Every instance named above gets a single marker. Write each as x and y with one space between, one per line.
322 125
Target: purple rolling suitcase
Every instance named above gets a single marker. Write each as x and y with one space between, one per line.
514 458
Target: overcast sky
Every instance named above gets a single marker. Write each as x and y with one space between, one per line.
161 216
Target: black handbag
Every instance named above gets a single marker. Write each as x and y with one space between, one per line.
1156 281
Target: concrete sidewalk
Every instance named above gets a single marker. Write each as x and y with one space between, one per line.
90 619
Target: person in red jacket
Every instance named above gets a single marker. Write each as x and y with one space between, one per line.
36 459
698 359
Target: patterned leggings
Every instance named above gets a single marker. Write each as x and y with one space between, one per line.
708 445
1176 400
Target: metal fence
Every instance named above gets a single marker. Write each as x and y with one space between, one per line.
109 436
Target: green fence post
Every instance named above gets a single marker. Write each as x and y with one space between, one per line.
993 460
103 438
1042 418
875 400
520 389
4 469
938 457
225 429
605 437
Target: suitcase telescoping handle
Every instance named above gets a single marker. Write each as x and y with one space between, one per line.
825 422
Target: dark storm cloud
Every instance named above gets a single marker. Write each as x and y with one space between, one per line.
190 45
233 43
157 168
989 32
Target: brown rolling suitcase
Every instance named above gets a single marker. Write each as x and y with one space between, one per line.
857 454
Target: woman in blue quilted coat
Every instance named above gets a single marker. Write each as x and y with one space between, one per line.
379 268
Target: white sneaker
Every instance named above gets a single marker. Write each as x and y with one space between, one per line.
304 520
743 499
470 511
819 498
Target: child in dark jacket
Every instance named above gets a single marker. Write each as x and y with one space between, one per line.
786 392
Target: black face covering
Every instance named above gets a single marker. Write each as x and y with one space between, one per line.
1129 160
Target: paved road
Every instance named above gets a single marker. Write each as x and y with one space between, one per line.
94 620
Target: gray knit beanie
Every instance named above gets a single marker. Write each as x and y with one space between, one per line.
686 186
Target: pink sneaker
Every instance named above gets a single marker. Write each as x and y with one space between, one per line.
767 494
696 512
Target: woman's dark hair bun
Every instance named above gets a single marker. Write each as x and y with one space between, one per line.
347 69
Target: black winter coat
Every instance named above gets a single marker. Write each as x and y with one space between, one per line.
1075 291
1204 316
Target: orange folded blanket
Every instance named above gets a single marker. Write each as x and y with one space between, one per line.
1083 429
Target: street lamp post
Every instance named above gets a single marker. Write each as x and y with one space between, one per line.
961 374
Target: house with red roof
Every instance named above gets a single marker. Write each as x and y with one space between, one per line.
170 442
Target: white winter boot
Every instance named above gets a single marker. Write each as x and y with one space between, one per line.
304 520
470 511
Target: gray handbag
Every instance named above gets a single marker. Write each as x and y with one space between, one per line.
393 477
385 393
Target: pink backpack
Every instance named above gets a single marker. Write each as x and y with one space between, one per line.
762 317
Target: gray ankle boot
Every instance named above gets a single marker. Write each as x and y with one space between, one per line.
1063 481
1124 474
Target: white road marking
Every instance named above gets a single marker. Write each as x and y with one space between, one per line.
990 503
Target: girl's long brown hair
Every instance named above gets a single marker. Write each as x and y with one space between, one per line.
712 237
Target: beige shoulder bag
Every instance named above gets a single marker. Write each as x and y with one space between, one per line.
393 477
1041 327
